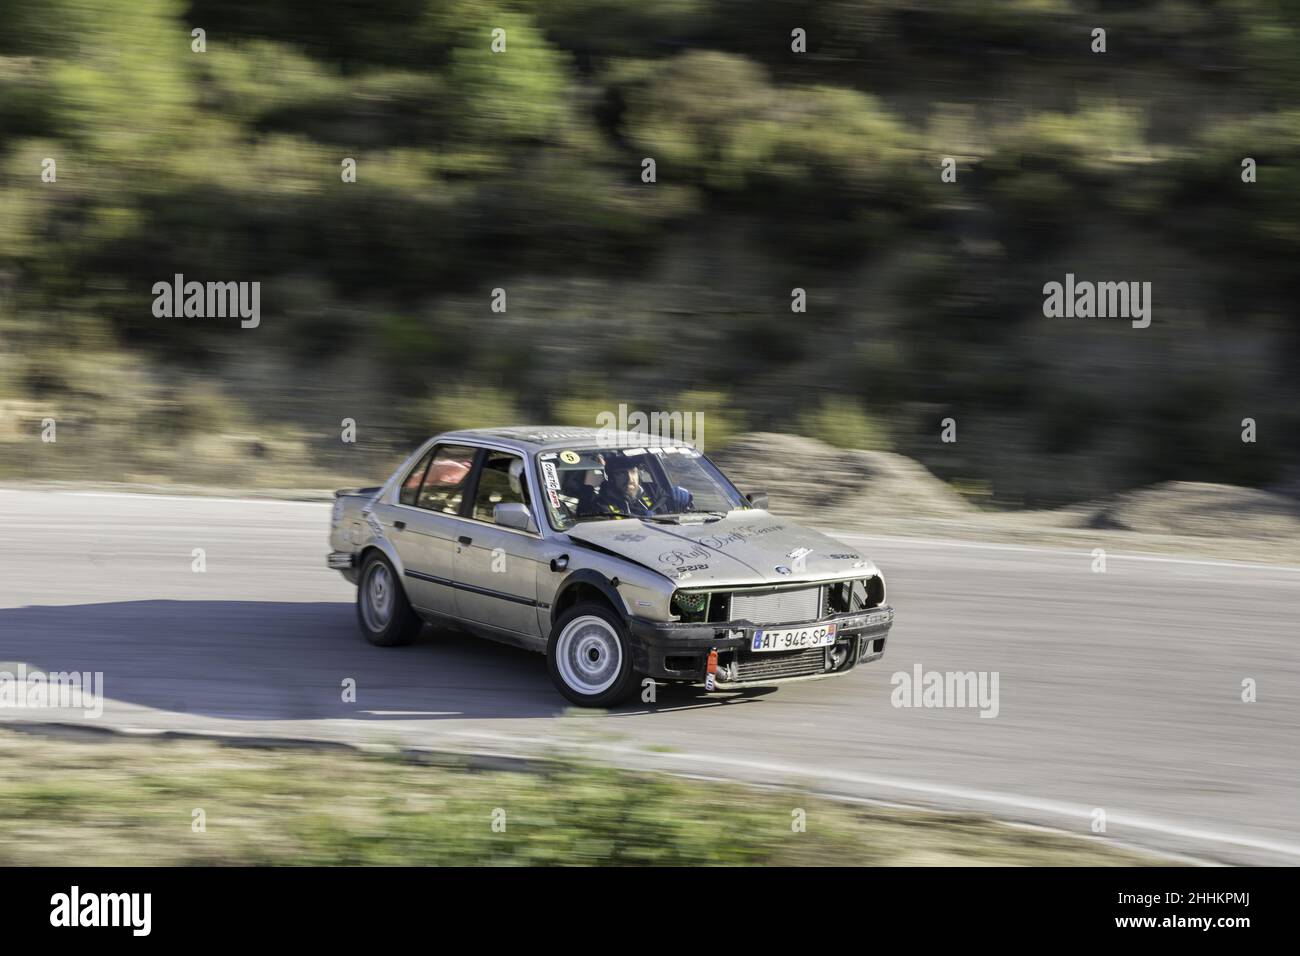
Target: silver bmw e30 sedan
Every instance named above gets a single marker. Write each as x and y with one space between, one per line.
619 556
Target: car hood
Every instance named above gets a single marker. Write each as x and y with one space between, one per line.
745 547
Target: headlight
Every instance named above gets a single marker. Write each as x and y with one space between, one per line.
876 590
690 606
856 595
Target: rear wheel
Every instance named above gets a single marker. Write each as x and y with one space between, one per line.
385 615
589 657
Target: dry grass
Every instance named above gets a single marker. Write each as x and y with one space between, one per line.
118 801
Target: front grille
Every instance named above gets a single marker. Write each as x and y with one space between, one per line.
777 607
751 666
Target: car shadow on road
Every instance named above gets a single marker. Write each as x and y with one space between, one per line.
259 660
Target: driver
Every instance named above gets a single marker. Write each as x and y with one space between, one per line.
621 493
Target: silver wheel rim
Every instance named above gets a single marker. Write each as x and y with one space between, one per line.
377 597
589 655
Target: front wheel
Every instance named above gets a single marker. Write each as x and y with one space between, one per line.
589 657
385 615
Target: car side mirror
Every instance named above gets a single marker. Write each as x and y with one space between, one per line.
514 515
757 499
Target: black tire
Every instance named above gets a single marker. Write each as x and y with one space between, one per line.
603 654
389 623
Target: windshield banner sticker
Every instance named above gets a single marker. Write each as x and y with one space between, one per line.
551 475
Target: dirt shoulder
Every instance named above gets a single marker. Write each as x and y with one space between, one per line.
873 492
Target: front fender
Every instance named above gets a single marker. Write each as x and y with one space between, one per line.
592 578
639 592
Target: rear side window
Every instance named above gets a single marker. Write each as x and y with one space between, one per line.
446 479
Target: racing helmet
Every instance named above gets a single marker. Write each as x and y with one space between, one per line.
515 476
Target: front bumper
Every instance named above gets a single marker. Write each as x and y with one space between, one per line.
680 651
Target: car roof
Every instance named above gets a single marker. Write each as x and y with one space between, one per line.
541 437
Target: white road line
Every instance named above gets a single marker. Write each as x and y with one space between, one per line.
1110 555
894 805
150 497
1009 801
118 532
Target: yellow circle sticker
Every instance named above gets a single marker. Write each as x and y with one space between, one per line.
570 457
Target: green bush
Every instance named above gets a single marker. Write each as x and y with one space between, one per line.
454 407
844 423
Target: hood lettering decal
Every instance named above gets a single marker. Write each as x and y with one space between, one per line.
737 550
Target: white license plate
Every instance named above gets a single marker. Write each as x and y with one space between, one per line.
793 638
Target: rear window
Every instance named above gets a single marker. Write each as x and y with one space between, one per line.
411 486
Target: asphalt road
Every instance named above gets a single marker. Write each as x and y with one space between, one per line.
1118 691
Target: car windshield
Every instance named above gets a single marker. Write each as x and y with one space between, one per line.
665 483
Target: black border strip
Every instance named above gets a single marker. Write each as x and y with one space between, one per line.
486 592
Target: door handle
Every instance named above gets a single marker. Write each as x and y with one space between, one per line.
399 525
465 539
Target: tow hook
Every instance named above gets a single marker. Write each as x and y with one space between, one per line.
711 669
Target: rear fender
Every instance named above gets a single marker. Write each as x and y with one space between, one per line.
385 547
